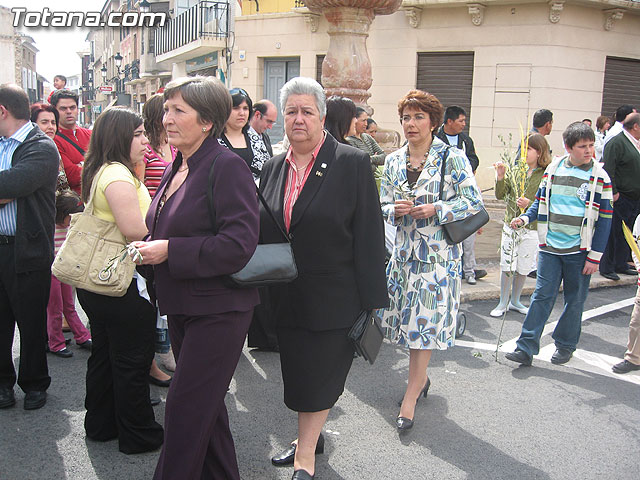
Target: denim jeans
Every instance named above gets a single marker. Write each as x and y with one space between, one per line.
552 270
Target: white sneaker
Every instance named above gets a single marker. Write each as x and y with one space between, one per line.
471 279
497 312
522 310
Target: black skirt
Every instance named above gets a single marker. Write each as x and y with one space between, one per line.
314 367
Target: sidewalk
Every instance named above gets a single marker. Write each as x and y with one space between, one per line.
488 258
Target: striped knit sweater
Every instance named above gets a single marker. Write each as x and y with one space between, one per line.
596 223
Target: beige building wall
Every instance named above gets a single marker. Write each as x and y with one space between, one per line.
523 62
8 47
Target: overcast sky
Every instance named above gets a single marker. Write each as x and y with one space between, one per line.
57 46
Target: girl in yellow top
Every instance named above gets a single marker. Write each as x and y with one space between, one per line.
122 328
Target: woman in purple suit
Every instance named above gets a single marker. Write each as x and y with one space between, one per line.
207 321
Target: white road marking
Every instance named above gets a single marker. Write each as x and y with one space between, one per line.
584 360
254 364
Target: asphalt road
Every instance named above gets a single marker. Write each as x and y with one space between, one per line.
483 419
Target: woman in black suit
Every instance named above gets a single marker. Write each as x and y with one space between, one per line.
323 194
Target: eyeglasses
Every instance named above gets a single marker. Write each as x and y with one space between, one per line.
241 91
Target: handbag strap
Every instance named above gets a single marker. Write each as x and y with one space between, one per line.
94 186
212 211
443 168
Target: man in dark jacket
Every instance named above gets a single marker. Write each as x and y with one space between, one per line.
28 169
622 162
451 133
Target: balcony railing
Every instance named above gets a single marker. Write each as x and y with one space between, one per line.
206 19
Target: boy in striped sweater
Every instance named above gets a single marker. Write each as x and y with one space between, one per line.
573 209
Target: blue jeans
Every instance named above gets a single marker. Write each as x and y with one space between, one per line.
553 269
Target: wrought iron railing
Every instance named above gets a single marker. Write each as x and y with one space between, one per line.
206 19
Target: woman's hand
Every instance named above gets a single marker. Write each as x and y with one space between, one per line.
517 223
424 211
153 252
523 202
501 170
402 208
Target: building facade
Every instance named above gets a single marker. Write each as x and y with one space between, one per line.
500 60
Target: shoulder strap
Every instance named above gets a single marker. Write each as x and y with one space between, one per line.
94 186
75 145
443 168
212 211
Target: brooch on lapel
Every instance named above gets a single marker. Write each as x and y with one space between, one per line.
319 173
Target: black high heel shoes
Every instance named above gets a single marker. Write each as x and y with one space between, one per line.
403 423
286 456
423 392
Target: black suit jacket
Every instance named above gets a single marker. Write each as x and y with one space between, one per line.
32 180
465 144
337 235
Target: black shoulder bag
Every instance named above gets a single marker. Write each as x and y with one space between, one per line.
74 144
271 263
457 231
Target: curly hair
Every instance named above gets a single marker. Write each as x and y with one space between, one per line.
424 101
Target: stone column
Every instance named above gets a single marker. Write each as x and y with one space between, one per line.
346 70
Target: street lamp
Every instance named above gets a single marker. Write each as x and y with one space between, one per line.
144 6
103 72
118 59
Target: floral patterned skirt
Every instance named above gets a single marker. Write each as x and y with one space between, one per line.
424 301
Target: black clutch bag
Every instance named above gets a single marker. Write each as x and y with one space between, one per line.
270 264
366 336
456 232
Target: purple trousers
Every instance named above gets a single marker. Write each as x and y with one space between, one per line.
61 303
198 444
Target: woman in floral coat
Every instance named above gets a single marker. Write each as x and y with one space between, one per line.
424 271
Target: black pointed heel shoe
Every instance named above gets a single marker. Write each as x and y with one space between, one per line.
286 456
423 392
301 475
403 424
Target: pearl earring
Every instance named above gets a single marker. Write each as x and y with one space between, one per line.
204 130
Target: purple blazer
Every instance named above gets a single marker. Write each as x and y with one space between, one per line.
189 282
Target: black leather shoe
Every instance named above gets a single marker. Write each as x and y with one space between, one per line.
34 400
301 475
629 271
625 367
286 456
7 398
64 353
160 383
423 392
561 355
404 424
88 345
611 276
480 274
519 356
